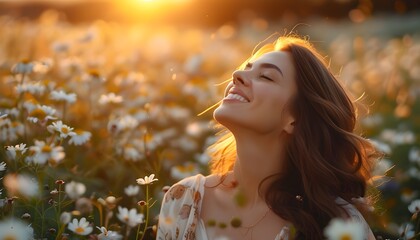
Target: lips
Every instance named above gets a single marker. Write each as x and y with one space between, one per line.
235 94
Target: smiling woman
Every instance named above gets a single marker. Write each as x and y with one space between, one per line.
289 159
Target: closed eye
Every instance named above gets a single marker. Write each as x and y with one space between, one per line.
265 77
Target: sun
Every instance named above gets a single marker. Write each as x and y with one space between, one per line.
147 9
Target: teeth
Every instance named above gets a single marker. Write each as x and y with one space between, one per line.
237 97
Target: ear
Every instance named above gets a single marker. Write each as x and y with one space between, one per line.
290 125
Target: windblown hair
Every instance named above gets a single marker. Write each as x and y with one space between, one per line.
325 159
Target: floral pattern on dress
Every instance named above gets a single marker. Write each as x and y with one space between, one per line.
179 218
179 215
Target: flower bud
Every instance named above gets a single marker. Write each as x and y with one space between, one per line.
59 182
26 216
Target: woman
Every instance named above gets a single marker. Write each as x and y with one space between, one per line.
289 161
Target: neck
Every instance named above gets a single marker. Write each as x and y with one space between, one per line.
258 156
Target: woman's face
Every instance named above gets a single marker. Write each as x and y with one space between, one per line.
257 99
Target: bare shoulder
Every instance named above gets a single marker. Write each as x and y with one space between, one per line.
212 180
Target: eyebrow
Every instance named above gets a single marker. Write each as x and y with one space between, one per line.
267 65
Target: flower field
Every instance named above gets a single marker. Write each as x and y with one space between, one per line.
97 119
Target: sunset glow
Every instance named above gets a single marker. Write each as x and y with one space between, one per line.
149 9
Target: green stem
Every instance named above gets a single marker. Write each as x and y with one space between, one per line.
127 231
64 111
19 105
59 205
146 221
41 180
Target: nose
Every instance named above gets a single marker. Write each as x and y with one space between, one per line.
239 77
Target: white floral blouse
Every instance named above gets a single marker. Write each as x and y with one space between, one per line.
179 218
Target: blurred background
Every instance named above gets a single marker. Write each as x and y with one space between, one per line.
144 70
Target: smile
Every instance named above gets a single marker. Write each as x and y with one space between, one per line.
235 96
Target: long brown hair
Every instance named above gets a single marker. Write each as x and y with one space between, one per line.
325 159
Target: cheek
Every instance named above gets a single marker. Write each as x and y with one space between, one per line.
276 107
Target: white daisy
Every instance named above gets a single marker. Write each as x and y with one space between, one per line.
129 79
60 46
195 129
80 137
61 128
381 146
21 184
124 123
147 180
131 218
10 130
92 75
33 88
185 143
43 66
12 112
414 155
13 150
108 235
178 113
414 206
202 158
80 227
132 190
398 137
62 96
182 171
339 229
43 152
110 98
42 113
23 67
15 229
70 66
2 166
131 153
74 189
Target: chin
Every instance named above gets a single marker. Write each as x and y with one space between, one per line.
223 116
229 119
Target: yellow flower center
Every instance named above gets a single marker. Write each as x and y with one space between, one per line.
38 113
46 149
9 237
126 218
78 131
79 230
15 124
346 236
64 130
94 73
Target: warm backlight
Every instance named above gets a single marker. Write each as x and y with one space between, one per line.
146 9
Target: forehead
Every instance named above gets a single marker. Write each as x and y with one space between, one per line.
277 57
